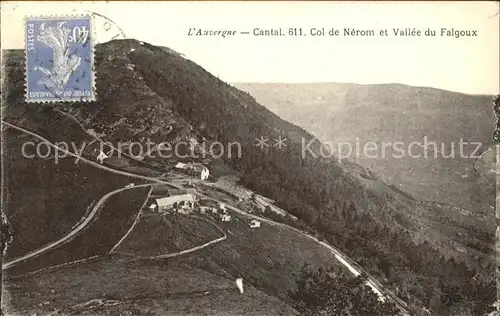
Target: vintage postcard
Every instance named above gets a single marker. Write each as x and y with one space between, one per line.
250 158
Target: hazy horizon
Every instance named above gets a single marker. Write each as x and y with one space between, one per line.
361 84
467 65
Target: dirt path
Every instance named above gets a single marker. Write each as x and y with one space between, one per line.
69 236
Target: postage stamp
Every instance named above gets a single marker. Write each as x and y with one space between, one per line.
59 59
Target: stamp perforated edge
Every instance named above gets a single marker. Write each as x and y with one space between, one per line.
93 96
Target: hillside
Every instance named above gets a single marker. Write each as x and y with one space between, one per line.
113 285
43 199
390 113
145 92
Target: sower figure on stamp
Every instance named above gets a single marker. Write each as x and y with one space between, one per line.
65 63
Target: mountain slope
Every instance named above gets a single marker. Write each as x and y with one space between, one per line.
146 92
389 113
114 286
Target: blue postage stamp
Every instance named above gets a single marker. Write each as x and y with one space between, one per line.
59 59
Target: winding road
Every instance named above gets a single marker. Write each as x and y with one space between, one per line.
69 236
344 259
353 267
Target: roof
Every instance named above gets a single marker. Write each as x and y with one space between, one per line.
180 165
198 167
169 200
206 202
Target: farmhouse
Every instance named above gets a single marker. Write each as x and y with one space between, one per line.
92 132
185 210
204 209
176 201
254 224
180 166
197 170
101 156
206 206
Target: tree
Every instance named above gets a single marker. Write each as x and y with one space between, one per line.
324 292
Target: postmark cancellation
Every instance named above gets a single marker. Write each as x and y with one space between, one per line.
59 59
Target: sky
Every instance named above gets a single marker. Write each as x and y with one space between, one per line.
467 64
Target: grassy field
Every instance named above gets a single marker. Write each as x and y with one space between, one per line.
271 248
109 226
267 257
135 288
157 234
201 283
44 200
